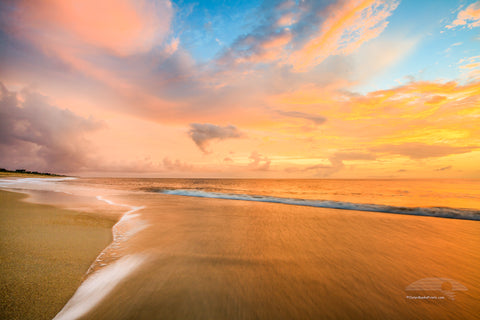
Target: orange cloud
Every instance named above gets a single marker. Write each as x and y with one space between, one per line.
286 19
278 40
419 112
471 66
436 100
98 38
121 26
259 162
310 94
469 17
415 150
308 120
350 24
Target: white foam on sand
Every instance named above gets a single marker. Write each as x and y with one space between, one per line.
101 282
98 286
125 228
26 185
38 184
122 230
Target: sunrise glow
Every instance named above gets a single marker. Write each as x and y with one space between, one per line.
267 89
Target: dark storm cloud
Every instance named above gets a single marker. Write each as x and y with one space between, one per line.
38 136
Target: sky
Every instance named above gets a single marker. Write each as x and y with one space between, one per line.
348 89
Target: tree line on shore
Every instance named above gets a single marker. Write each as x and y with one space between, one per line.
30 172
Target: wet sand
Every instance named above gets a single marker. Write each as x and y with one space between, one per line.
206 258
44 253
200 258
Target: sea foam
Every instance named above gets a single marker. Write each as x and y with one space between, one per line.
442 212
93 290
124 228
101 282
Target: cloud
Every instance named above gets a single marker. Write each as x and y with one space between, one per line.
109 48
163 82
122 27
471 66
348 26
259 162
267 42
436 100
203 133
176 165
349 155
257 48
416 111
336 163
469 17
318 120
118 75
38 136
323 170
303 35
139 166
122 167
416 150
377 57
444 168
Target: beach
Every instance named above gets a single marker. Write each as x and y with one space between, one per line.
210 256
221 259
45 253
240 160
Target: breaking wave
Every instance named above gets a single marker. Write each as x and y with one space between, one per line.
442 212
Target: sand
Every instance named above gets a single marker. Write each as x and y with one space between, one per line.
44 253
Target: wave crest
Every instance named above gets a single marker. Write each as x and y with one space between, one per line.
442 212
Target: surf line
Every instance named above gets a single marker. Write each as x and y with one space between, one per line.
132 208
104 280
122 230
94 289
439 212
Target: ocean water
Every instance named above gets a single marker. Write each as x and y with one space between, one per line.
276 249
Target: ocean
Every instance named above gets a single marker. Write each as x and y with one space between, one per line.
276 249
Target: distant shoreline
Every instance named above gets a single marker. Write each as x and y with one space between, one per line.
26 173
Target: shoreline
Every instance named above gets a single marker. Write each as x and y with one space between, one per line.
46 252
